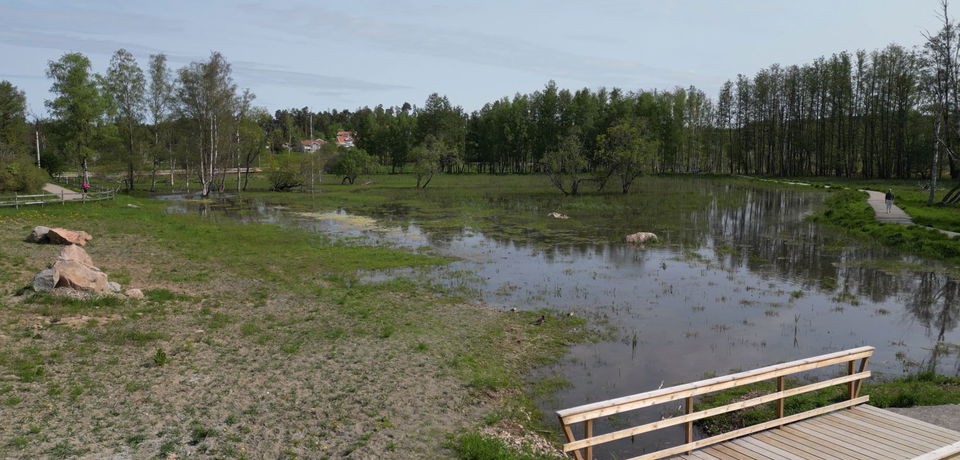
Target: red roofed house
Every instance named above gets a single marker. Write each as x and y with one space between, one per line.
345 138
312 145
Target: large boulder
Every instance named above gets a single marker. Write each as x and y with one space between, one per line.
46 280
641 238
76 254
64 236
38 235
82 277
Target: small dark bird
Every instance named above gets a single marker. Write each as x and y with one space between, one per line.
539 320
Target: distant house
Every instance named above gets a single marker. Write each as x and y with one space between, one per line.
345 138
312 145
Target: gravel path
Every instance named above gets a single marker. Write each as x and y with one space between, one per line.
67 194
947 416
896 215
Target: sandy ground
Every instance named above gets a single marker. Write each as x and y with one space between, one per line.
947 416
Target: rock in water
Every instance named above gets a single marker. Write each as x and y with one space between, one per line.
114 286
46 280
81 277
134 293
76 254
64 236
38 235
557 215
641 237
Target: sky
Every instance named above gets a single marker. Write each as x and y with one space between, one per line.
347 54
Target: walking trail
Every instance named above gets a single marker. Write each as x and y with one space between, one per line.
877 201
67 194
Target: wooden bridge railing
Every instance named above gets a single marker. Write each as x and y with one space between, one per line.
582 449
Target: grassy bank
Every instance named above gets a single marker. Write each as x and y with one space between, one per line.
924 389
848 210
253 341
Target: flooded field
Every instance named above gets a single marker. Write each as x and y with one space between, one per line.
736 283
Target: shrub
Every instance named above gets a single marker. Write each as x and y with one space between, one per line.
22 177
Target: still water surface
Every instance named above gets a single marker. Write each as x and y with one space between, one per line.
732 288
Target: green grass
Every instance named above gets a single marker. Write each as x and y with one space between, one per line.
475 446
849 211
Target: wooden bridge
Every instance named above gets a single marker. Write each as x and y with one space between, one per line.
848 429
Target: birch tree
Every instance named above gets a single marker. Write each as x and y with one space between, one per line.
207 96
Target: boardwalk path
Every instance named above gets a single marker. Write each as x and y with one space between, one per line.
896 215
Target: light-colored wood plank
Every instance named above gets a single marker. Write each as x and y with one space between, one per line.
841 441
720 454
915 422
748 451
826 444
750 429
844 438
911 446
769 450
945 452
730 452
891 432
687 418
901 426
789 444
894 417
649 398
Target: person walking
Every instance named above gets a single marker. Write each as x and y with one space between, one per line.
889 200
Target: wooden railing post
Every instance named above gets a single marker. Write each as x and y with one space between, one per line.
588 433
780 387
863 367
16 200
852 386
688 427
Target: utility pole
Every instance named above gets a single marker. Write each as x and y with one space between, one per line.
36 132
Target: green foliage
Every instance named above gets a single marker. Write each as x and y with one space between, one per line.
13 121
427 159
22 177
567 163
160 357
352 163
285 172
78 105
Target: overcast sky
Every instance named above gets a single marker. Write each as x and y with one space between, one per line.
347 54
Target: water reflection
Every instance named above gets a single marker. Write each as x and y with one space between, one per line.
734 287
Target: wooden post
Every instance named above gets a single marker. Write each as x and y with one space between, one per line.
569 434
863 367
688 427
588 433
852 386
16 200
780 387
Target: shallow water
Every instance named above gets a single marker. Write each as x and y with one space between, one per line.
731 288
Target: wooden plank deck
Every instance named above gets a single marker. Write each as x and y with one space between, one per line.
862 432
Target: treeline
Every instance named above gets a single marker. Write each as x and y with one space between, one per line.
890 113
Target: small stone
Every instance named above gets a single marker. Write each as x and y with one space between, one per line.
641 237
134 293
131 205
38 235
557 215
46 280
114 286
